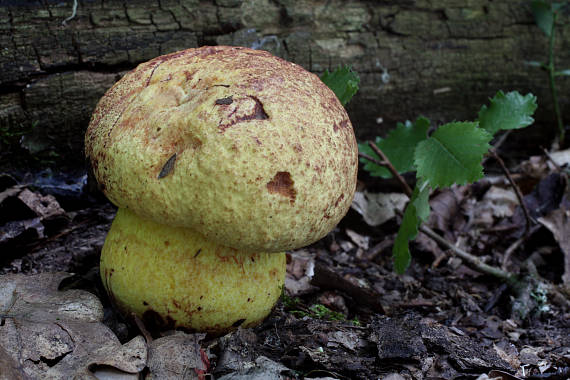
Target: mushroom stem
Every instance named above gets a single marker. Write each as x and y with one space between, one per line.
172 277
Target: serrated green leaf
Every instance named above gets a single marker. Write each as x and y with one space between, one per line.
563 73
398 146
510 111
543 16
422 201
343 81
416 212
452 154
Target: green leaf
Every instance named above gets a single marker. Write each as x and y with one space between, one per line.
399 146
510 111
563 73
416 212
452 154
343 81
543 16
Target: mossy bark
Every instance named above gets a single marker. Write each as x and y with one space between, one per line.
442 60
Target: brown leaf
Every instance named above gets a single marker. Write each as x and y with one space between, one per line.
176 356
446 210
43 206
9 368
378 208
360 240
300 271
558 222
54 334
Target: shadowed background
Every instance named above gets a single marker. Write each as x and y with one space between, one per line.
413 57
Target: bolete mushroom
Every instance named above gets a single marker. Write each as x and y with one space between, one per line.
217 158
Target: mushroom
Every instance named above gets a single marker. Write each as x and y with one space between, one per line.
219 159
173 277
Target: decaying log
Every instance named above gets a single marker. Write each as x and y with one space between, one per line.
440 59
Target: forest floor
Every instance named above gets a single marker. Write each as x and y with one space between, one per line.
345 314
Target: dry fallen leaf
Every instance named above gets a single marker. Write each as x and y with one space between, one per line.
263 369
538 166
9 368
360 240
377 208
27 216
300 271
446 212
501 202
558 222
43 205
176 356
52 334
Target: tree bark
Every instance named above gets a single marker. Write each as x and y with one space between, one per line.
439 59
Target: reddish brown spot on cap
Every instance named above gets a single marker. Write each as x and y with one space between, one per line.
282 184
257 112
343 124
338 200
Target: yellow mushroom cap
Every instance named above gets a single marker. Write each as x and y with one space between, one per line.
247 149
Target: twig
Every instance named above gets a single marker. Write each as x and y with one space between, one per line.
508 277
473 260
73 14
500 141
528 218
373 252
509 252
372 159
516 283
552 82
388 165
142 328
513 247
547 154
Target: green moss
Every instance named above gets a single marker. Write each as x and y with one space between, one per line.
316 311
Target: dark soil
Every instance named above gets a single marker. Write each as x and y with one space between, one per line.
345 313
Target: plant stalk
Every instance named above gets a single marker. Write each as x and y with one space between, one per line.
551 75
388 164
477 263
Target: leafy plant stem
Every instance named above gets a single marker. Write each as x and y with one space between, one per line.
551 75
506 276
528 218
387 164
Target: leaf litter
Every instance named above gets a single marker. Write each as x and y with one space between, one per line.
344 314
